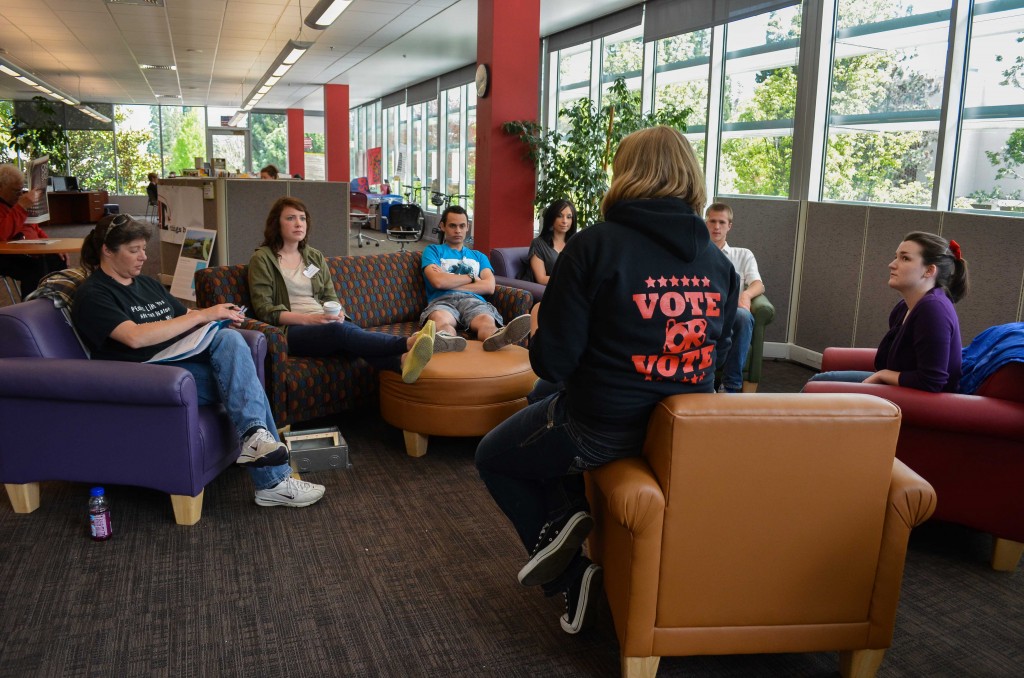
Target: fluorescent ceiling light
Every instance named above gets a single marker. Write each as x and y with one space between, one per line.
22 75
93 113
325 13
291 52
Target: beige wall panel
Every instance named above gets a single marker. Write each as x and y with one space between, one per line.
831 275
248 202
886 228
994 250
768 229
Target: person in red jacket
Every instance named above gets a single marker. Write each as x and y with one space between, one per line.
14 204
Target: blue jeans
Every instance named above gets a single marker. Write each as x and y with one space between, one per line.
347 339
849 376
225 373
732 367
533 463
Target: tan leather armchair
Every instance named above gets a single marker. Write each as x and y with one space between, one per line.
758 523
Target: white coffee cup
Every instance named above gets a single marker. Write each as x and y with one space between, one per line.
332 309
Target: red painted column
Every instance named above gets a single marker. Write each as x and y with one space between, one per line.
336 132
296 135
508 41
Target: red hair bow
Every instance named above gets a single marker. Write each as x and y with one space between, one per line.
954 247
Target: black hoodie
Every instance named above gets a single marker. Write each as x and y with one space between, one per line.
638 308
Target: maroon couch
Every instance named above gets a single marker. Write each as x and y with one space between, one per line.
969 447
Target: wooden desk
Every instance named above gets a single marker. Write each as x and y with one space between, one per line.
55 246
75 207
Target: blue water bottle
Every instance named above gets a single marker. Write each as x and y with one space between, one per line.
99 515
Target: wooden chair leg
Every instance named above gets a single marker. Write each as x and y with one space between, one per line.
749 387
1005 554
24 498
187 510
415 443
860 663
639 667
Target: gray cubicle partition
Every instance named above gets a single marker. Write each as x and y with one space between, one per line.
237 209
845 298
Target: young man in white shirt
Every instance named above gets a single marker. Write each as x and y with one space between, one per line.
719 220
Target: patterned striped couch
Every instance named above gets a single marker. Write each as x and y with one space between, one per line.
382 292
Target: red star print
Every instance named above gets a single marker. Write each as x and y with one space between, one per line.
707 283
674 280
662 281
650 282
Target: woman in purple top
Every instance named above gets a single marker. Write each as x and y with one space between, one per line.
922 347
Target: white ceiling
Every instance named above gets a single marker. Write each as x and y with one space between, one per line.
92 49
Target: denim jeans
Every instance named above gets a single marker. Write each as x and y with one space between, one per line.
533 463
347 339
850 376
225 373
732 367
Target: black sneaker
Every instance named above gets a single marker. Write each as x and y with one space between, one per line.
581 597
556 547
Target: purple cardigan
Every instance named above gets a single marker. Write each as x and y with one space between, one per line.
925 349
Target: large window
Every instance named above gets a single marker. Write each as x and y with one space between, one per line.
622 56
885 100
573 82
184 137
681 75
759 103
269 134
990 173
137 147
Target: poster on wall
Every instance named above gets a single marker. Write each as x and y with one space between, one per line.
196 248
181 208
373 166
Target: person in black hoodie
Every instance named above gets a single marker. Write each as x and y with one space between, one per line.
638 308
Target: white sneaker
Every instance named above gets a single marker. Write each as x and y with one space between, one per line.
290 492
448 343
261 449
516 330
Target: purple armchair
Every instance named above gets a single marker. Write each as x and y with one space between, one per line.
69 418
509 263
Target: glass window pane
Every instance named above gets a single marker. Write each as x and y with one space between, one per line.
314 157
470 147
91 160
990 165
269 140
759 103
573 75
433 144
886 99
622 56
184 137
453 141
417 164
681 73
137 147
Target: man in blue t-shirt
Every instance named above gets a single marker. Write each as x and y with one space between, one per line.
456 277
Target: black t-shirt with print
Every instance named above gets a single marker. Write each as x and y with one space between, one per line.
101 304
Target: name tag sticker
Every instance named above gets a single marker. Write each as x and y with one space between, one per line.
310 271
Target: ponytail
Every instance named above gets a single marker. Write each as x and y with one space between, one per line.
950 266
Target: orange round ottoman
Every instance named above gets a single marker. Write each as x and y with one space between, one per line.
458 394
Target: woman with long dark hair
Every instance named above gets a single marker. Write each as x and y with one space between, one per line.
558 224
922 348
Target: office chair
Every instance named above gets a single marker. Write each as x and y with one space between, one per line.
359 215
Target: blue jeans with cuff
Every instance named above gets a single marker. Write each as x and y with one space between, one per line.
225 373
742 332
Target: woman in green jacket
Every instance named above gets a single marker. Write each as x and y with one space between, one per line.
289 286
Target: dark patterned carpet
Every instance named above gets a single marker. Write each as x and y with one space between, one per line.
406 568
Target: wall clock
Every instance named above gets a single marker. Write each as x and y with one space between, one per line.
483 80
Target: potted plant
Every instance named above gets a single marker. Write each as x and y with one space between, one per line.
574 162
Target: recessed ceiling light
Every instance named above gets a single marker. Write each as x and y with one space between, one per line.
153 67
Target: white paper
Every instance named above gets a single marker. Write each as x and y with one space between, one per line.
182 209
191 344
